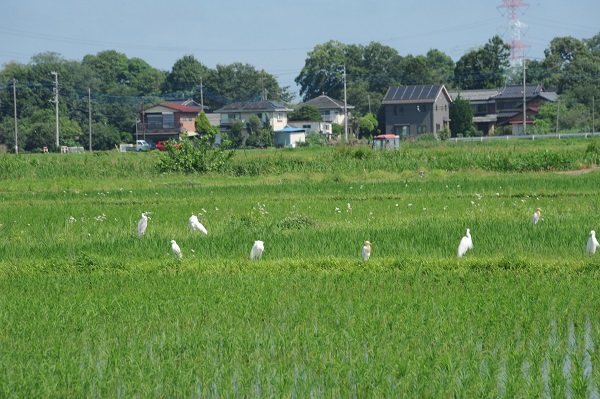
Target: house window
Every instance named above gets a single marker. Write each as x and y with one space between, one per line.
305 126
279 116
402 130
422 129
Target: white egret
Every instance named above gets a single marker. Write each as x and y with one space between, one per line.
592 244
176 249
143 223
195 224
366 251
466 243
257 250
536 216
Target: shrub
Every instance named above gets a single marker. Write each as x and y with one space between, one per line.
198 156
444 134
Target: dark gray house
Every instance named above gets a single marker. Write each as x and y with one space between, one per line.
412 110
493 108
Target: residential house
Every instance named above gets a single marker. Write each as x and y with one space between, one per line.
332 111
167 121
311 127
504 107
483 107
412 110
242 111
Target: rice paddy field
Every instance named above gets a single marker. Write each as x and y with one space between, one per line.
90 309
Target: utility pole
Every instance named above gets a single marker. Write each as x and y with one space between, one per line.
15 105
90 115
557 115
56 103
201 96
524 101
345 109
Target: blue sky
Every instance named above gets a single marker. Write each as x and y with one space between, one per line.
276 35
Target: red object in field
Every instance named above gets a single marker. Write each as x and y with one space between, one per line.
162 145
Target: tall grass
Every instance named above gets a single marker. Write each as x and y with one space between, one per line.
550 155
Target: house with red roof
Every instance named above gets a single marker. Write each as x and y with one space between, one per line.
167 121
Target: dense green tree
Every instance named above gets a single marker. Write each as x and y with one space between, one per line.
381 68
323 71
483 68
573 66
143 78
363 100
105 137
254 127
202 124
267 134
367 126
461 117
416 71
237 134
186 74
441 67
111 68
240 82
307 112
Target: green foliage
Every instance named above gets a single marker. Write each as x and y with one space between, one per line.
196 156
240 82
238 134
202 124
337 131
368 126
267 134
461 117
484 68
186 74
254 128
306 112
444 134
314 139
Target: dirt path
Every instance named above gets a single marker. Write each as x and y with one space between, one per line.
580 171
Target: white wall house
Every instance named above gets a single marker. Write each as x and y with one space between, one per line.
242 111
311 127
332 111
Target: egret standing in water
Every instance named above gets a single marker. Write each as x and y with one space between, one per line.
536 216
257 250
195 224
176 249
366 251
466 243
592 244
143 223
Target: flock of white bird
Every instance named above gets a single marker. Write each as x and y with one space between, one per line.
466 242
258 247
195 225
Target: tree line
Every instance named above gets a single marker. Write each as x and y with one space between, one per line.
117 88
